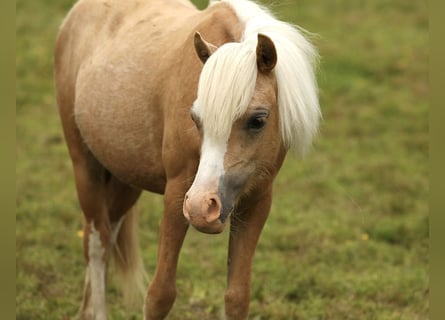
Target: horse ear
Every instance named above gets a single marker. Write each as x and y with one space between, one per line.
203 48
266 55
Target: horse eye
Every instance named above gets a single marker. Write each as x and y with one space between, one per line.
256 123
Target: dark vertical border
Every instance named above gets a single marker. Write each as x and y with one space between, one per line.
437 159
7 158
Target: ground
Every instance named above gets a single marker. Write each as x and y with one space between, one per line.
347 237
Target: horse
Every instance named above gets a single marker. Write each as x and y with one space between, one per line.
201 106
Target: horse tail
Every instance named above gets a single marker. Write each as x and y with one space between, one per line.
128 261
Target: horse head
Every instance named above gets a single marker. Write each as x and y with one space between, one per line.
236 114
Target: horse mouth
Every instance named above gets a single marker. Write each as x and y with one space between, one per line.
210 229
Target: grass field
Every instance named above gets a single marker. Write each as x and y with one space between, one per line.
347 237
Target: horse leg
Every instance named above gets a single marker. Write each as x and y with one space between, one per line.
244 235
90 176
124 230
105 202
162 291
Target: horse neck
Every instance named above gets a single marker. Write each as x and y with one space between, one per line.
220 24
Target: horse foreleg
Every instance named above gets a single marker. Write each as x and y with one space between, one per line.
162 290
244 235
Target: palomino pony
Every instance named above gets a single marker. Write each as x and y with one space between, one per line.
147 104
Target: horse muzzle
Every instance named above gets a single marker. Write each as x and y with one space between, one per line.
205 211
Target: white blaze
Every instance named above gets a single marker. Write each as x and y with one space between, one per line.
211 165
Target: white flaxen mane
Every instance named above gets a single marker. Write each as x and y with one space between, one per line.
227 81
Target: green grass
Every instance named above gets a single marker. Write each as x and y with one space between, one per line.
347 237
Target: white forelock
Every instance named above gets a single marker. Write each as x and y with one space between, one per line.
226 86
228 78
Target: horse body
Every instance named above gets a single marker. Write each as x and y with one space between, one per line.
125 95
147 104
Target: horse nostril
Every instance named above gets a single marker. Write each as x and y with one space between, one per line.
213 205
213 209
